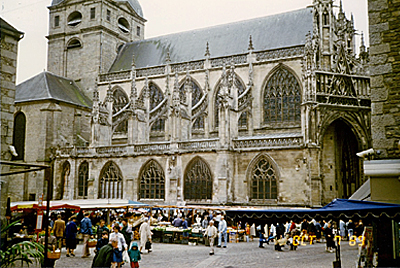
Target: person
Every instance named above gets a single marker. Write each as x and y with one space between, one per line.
204 223
222 231
342 228
59 231
126 231
104 257
101 228
211 233
86 230
350 228
272 233
52 241
177 222
247 231
134 255
145 234
117 257
318 231
70 236
253 231
329 238
102 241
262 240
184 226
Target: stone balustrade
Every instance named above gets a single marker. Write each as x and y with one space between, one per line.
199 145
268 142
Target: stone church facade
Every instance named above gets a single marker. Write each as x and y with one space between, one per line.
269 111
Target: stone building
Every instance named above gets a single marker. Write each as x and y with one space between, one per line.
269 111
9 38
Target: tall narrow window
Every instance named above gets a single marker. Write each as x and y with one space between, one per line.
282 98
120 122
156 95
108 16
242 124
152 181
198 181
111 184
263 180
63 186
158 126
138 30
83 177
56 21
19 136
92 13
325 18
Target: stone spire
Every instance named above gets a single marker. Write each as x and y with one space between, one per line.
207 54
133 96
251 47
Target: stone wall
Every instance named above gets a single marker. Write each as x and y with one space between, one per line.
384 27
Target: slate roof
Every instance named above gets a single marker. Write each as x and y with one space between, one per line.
5 26
134 4
271 32
48 86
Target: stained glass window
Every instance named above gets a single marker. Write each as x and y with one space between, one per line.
198 181
263 181
243 121
198 123
282 98
197 93
83 177
110 182
156 95
152 181
158 125
120 101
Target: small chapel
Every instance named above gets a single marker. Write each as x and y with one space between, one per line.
264 112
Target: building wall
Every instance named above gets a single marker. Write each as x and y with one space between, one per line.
384 28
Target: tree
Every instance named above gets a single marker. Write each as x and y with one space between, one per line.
26 252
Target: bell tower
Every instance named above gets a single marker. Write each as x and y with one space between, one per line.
86 36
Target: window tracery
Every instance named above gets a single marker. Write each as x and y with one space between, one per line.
120 101
197 93
198 123
152 181
242 123
198 181
83 176
158 125
156 95
282 98
111 183
263 180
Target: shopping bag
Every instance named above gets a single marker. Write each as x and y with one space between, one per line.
125 257
148 245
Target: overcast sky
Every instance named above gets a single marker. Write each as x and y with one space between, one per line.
163 17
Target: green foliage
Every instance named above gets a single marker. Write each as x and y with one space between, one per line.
26 252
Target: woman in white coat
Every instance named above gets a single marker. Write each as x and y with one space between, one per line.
145 234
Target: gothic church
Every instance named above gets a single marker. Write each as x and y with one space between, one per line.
265 112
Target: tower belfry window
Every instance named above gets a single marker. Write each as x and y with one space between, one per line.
123 25
92 13
108 17
74 44
74 19
57 21
325 18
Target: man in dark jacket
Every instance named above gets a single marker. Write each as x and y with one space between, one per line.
105 256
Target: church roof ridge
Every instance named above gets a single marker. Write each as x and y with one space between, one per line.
269 32
49 86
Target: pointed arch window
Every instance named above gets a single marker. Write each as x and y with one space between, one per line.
263 180
197 93
242 123
19 134
158 125
66 169
111 184
198 123
156 95
240 88
198 181
282 98
121 100
83 177
152 181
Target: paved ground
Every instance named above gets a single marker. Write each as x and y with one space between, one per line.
235 255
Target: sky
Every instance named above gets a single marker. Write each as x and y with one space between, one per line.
163 17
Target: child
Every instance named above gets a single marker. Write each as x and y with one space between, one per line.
134 255
102 241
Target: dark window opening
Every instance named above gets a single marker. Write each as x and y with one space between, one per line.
32 197
92 13
123 25
75 18
138 30
56 21
19 136
108 17
263 181
325 18
152 182
74 44
83 180
198 181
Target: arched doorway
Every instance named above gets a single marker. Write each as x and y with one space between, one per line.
340 165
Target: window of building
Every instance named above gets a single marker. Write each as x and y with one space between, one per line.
282 98
74 43
74 19
83 177
32 197
156 95
158 125
198 123
198 181
242 123
325 18
152 181
263 180
121 100
92 13
123 25
138 30
57 21
19 133
197 93
108 16
111 184
66 170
